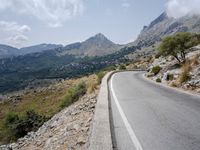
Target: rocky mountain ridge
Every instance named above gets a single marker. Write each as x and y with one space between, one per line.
164 25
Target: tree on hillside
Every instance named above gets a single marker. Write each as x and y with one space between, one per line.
178 44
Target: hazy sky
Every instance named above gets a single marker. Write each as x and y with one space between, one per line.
29 22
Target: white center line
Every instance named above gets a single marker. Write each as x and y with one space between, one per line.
125 120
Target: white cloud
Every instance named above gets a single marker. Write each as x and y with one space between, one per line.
17 40
180 8
52 12
13 34
24 28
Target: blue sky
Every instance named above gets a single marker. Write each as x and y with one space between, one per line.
29 22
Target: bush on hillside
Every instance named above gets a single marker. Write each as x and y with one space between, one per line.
73 94
110 68
122 67
100 76
178 44
170 77
158 80
155 70
19 126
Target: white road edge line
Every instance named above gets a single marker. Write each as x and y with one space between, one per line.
125 120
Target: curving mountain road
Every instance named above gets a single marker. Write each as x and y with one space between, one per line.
147 116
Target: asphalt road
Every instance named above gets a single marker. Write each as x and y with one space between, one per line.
147 116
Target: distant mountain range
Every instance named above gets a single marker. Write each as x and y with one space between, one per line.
164 25
97 45
50 61
8 51
55 61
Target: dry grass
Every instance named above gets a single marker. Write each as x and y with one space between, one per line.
186 69
173 84
92 85
185 74
142 64
195 60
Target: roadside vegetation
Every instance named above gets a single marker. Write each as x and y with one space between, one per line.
73 94
185 72
122 67
155 70
178 45
158 80
178 57
29 111
103 72
25 113
17 126
170 77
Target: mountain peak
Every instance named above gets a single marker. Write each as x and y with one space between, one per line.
100 35
159 19
99 38
97 45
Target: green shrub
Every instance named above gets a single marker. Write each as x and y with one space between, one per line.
170 77
122 67
19 126
100 76
156 70
74 94
158 80
11 117
110 68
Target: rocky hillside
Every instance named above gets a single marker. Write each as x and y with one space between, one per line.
64 108
186 76
164 25
69 129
